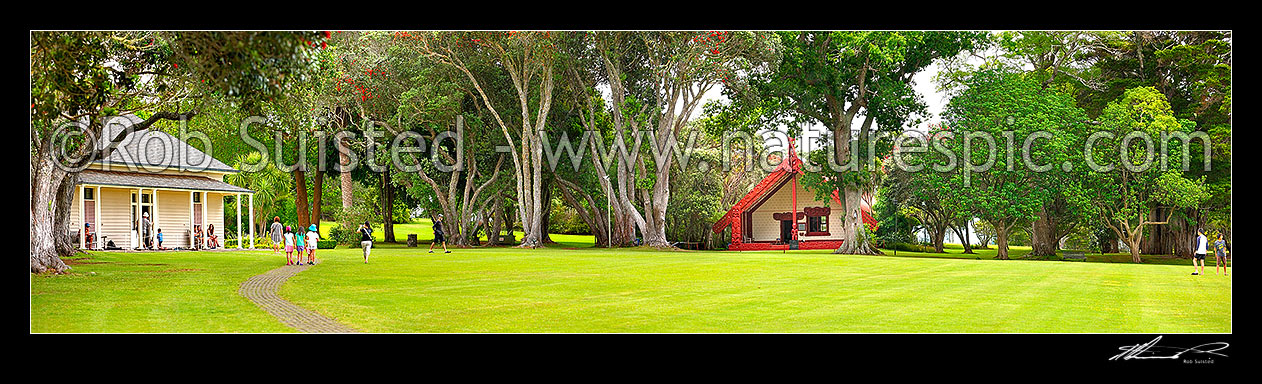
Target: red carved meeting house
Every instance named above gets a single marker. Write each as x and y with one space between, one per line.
762 221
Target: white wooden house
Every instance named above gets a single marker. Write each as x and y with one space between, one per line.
179 186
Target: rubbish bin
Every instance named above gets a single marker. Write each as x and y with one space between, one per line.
412 240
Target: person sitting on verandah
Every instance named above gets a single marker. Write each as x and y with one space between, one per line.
213 241
88 235
197 237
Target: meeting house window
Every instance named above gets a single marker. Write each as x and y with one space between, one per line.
817 225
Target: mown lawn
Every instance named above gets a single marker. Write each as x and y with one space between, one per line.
956 251
152 292
506 290
634 290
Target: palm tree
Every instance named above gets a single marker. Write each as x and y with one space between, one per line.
270 186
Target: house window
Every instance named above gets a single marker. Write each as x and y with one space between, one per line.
146 198
817 225
197 197
89 194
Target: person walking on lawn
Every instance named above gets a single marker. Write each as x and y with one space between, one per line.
1200 253
313 238
299 246
1220 254
289 246
438 235
277 232
365 239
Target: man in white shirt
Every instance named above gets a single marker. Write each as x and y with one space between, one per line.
1200 254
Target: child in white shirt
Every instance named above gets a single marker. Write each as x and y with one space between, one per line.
313 237
289 246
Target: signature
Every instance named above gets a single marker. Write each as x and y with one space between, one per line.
1151 350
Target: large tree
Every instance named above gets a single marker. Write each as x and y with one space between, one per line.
1192 69
853 83
1014 139
656 81
528 61
1129 178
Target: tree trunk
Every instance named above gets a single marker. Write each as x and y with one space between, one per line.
494 221
530 204
939 237
854 243
1134 246
300 197
43 211
591 215
1001 241
344 161
318 199
347 187
963 234
61 222
546 217
387 208
1043 237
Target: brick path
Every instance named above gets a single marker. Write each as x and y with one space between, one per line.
262 290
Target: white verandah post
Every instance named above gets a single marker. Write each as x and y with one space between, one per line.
251 221
192 223
83 229
205 220
237 198
153 218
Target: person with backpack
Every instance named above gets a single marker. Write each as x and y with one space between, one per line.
439 238
365 239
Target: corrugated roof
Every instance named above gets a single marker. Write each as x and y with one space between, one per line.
151 180
155 149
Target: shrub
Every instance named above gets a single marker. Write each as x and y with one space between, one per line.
566 220
259 242
342 235
909 247
326 244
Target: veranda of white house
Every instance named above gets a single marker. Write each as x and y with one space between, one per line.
178 186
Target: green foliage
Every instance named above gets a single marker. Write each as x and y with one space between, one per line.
341 235
1019 237
1173 190
908 247
565 220
1010 108
695 201
895 226
1126 190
